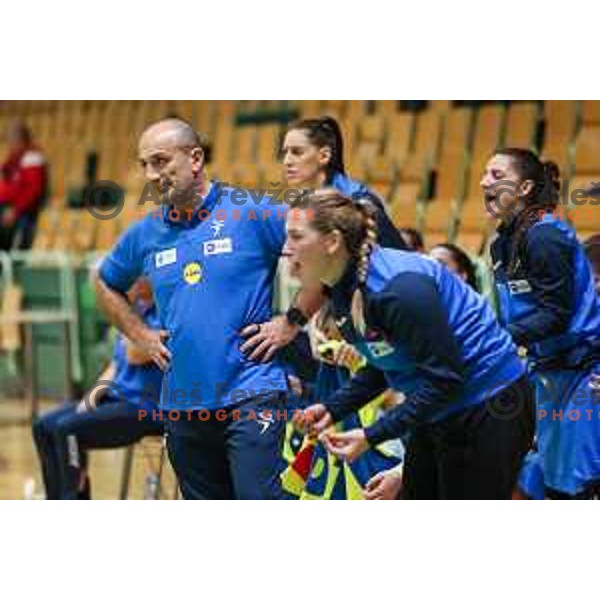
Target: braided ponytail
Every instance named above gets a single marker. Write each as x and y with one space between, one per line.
370 227
369 240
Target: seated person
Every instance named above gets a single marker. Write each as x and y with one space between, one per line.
116 412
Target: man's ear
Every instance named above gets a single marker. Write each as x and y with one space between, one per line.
527 187
197 160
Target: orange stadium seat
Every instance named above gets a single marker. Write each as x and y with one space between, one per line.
560 126
522 122
440 219
84 234
309 108
427 138
590 112
400 129
404 204
381 176
334 108
244 143
108 232
452 163
488 131
585 216
587 150
203 116
46 230
474 227
268 143
371 130
585 219
387 107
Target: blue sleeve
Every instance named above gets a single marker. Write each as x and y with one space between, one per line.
410 312
365 385
548 262
124 264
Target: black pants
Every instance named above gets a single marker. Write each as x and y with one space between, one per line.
591 492
20 235
475 454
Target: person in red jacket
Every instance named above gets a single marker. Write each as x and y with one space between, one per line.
23 183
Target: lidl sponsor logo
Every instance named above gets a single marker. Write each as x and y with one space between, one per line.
192 273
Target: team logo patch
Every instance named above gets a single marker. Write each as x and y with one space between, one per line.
166 257
380 349
520 286
192 273
216 227
377 344
222 246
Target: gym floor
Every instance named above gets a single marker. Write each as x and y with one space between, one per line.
19 465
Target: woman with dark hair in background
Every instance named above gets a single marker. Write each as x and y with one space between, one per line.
313 156
457 260
549 305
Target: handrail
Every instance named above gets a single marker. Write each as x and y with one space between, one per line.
68 293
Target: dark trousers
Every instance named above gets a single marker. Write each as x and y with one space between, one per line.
20 235
591 492
239 457
475 454
63 436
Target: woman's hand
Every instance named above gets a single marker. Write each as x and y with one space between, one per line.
347 446
313 420
386 485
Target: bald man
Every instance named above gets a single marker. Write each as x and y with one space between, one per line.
211 258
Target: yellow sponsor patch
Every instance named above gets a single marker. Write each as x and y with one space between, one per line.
192 273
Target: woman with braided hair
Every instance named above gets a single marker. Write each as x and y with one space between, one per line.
424 333
312 153
549 306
